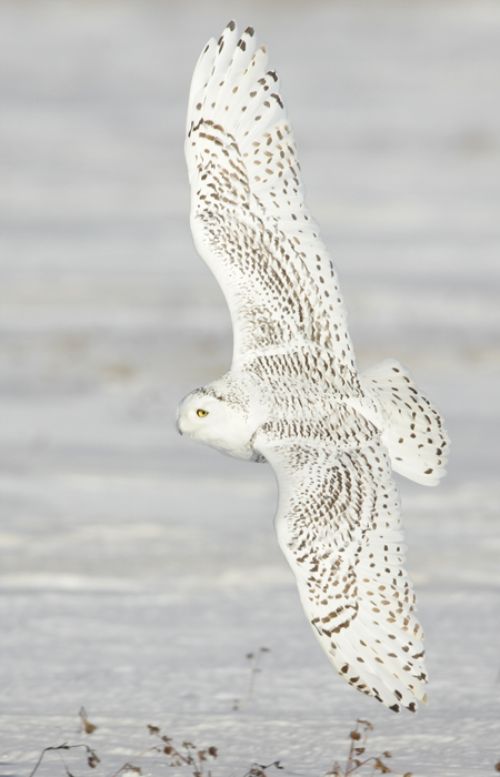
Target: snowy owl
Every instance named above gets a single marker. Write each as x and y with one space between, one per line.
293 396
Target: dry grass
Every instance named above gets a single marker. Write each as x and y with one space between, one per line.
358 757
194 761
254 659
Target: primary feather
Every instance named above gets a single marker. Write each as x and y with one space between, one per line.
248 215
293 395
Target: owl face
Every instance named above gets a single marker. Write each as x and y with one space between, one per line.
210 418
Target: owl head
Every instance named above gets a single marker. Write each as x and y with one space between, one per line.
209 416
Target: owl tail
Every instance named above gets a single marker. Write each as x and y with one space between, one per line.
414 433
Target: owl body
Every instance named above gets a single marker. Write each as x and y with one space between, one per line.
294 396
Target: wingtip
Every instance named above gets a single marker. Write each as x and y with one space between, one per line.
208 45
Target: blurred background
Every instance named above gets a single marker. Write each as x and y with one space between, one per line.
137 570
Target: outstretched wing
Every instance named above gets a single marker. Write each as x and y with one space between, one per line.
250 223
338 524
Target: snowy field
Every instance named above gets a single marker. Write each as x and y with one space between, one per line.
137 569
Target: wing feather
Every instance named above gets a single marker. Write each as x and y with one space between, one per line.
249 218
339 526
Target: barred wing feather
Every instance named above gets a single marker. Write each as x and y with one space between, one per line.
338 524
249 219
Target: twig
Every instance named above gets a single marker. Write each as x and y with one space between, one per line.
259 770
91 753
255 668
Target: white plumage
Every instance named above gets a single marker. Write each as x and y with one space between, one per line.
293 396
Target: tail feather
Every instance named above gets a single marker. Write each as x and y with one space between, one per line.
414 433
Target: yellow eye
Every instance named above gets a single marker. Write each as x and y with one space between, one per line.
201 413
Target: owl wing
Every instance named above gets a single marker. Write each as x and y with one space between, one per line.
249 219
338 524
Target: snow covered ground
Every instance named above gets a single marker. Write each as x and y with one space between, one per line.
137 569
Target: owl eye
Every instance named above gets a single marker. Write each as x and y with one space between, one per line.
201 413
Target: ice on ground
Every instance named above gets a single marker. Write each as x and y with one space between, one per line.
138 570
